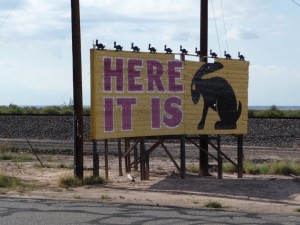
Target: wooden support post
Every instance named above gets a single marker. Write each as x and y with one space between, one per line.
147 166
220 159
142 158
135 157
106 157
126 157
182 57
203 157
120 157
182 143
182 157
95 159
240 155
125 148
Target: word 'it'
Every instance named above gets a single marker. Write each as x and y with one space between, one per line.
171 117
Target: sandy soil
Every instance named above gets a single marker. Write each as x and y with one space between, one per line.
253 193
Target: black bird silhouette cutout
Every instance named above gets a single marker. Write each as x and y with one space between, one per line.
197 52
99 46
217 95
241 57
227 56
135 48
151 49
168 50
118 47
213 54
183 50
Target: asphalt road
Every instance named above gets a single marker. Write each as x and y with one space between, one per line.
35 211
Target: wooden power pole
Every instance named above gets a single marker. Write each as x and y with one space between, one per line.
77 89
203 53
203 30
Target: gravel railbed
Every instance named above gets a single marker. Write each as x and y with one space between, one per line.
52 130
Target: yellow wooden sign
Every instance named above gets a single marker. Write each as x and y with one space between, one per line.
144 94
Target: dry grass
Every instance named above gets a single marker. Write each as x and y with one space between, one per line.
213 204
284 167
8 183
71 181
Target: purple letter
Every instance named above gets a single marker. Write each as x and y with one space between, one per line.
126 108
155 107
155 71
109 73
132 74
173 112
173 74
108 114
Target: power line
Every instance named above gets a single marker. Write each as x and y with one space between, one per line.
12 9
296 3
224 25
216 25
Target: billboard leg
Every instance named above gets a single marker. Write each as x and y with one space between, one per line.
147 167
120 157
182 157
135 158
127 157
142 158
240 155
220 159
203 157
106 157
95 160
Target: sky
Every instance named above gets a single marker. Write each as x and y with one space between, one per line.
36 45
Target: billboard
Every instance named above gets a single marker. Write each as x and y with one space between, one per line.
146 94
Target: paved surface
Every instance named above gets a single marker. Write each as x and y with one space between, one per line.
33 211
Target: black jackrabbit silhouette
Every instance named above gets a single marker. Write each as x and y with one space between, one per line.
135 48
168 50
241 57
99 46
151 49
183 50
217 94
197 52
213 54
118 47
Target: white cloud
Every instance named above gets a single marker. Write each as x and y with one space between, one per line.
274 85
36 20
35 42
239 33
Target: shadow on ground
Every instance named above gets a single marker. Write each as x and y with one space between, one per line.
266 188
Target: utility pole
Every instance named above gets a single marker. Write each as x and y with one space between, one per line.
203 161
77 90
203 30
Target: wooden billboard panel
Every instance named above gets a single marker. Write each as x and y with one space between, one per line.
144 94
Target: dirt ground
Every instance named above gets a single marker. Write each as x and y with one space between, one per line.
252 194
